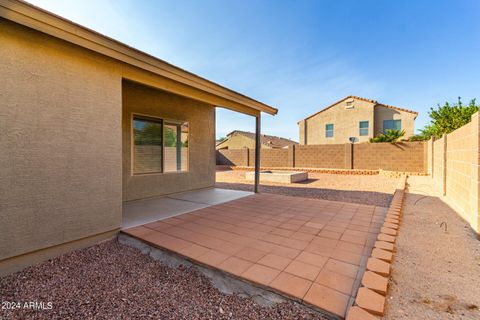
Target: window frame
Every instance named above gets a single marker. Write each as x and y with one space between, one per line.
393 121
327 131
163 121
360 128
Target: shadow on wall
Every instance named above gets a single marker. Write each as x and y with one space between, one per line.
363 197
222 160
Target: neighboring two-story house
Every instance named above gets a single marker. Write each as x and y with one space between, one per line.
354 117
243 139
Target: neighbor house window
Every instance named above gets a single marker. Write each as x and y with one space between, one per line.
329 130
159 145
363 128
392 125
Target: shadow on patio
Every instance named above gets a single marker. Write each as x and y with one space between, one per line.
361 197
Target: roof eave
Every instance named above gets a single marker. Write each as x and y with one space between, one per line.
44 21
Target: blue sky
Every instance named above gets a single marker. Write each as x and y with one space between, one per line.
300 56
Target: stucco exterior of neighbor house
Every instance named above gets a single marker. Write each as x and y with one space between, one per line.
243 139
355 117
87 124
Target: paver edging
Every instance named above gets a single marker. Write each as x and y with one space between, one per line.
370 299
386 173
240 285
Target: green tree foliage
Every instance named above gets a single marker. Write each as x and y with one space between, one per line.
149 134
448 118
389 136
170 137
417 137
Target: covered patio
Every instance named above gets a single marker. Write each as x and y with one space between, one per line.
313 251
144 211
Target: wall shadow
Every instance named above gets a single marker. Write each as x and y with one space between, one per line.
361 197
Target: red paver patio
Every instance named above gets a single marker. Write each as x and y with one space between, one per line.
314 251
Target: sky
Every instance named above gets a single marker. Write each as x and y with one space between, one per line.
301 56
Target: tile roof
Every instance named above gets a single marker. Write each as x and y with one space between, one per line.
271 141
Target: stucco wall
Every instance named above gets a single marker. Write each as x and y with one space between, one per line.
61 140
384 113
60 129
201 117
301 133
346 123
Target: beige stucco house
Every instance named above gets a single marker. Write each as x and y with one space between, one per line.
243 139
355 117
88 123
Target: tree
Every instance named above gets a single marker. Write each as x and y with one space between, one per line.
448 118
389 136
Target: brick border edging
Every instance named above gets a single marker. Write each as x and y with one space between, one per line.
370 172
312 170
371 296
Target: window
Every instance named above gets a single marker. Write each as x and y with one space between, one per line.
349 104
329 130
176 146
159 146
363 128
392 125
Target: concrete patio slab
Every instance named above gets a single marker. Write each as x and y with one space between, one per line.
278 243
140 212
210 196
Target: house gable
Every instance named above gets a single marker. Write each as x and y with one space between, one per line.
345 116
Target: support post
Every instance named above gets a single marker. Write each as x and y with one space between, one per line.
257 152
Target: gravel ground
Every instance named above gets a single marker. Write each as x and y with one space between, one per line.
365 189
113 281
436 273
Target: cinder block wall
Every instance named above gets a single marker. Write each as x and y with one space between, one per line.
320 156
270 157
404 156
456 170
429 156
232 157
438 164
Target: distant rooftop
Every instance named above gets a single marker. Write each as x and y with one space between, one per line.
271 141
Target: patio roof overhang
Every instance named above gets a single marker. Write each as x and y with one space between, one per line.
161 74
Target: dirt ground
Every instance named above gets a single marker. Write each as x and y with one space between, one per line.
113 281
436 272
373 190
